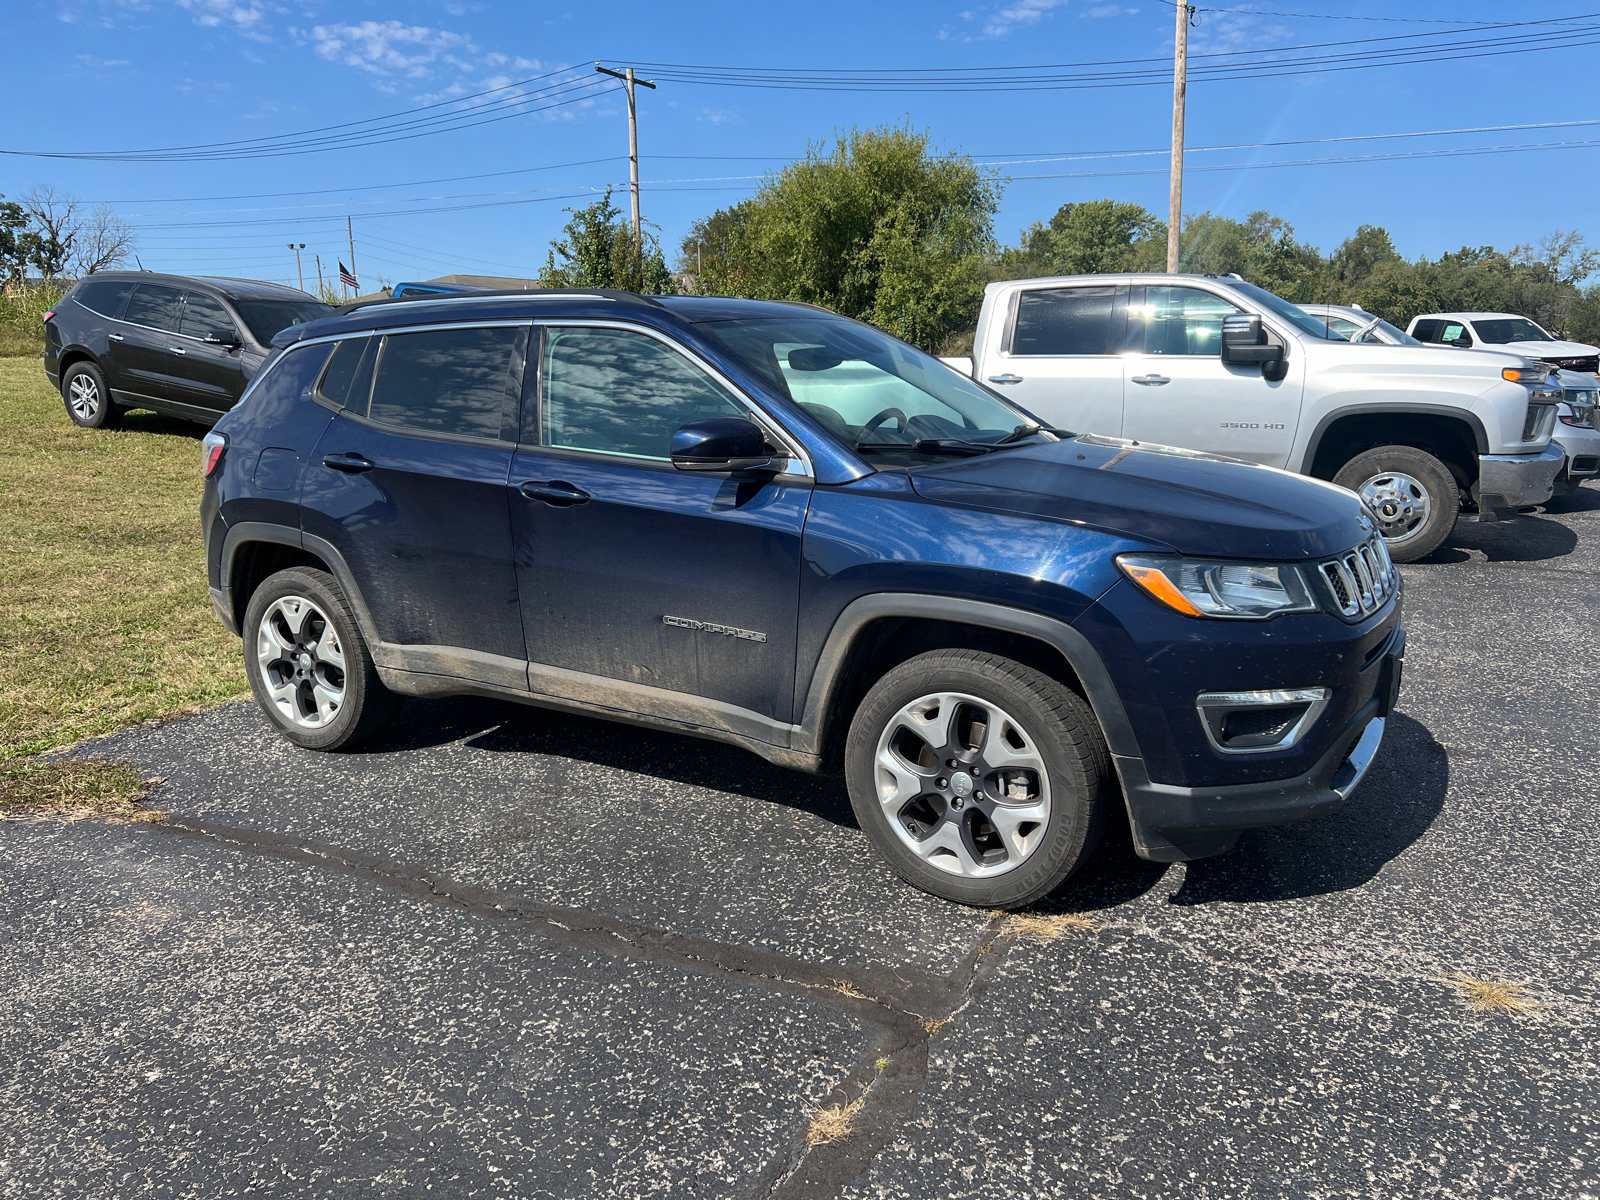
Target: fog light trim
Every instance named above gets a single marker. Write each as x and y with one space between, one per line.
1214 709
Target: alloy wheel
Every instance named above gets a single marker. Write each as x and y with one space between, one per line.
1399 502
963 784
83 396
302 662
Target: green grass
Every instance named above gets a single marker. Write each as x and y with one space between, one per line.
104 616
22 321
75 791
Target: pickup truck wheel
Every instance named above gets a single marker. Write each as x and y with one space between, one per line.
981 780
88 400
309 666
1412 494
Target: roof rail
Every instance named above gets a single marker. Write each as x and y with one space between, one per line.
613 294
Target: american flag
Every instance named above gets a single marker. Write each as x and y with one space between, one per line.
347 278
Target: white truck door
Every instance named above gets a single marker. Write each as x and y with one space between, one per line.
1179 392
1058 356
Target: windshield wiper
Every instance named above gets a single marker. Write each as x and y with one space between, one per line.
932 446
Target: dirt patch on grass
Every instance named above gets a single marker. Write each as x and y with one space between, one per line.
75 791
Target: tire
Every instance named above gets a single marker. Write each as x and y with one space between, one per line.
1412 494
320 693
88 399
935 825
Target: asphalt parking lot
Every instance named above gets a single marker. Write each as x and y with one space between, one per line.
508 953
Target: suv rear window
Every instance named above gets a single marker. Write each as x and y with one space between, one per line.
104 296
1064 321
446 380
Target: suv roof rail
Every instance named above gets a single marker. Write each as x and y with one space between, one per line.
613 294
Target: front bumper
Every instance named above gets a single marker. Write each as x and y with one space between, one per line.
1507 482
1177 824
1582 449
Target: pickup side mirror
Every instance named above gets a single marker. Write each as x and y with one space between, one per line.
723 444
1245 342
1463 342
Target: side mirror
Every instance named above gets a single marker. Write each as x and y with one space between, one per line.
229 340
1244 342
1463 342
723 444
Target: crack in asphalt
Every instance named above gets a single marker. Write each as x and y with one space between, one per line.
897 1006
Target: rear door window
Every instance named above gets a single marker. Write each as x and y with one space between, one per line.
156 306
1427 331
203 317
449 381
623 393
1061 321
104 296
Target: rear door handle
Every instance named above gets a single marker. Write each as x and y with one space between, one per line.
177 349
1151 380
115 337
556 492
1005 379
350 464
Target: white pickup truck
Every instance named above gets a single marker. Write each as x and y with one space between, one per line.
1217 364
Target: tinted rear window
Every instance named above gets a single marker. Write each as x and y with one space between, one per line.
268 318
155 306
446 380
1064 321
104 296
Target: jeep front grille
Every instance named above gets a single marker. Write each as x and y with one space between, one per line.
1362 580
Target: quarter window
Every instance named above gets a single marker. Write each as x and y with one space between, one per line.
1064 321
623 393
104 296
203 317
1181 320
155 306
348 382
453 381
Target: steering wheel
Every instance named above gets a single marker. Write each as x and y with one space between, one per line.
872 425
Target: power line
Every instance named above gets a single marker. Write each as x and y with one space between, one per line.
1257 12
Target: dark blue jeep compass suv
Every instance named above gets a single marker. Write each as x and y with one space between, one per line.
766 524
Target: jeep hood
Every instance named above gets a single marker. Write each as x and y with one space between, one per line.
1197 504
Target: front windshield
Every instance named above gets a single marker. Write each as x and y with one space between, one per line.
1279 307
268 318
1510 329
890 401
1392 334
1378 332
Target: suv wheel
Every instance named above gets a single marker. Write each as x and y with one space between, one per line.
309 665
87 398
979 779
1412 494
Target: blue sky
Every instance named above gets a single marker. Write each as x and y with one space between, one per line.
113 75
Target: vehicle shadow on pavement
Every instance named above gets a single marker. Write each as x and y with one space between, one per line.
1524 538
1394 806
508 728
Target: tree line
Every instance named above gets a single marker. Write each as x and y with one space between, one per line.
50 235
881 227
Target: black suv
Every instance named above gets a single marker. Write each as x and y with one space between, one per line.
184 345
766 524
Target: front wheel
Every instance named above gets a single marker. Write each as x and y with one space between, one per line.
1412 494
309 666
981 780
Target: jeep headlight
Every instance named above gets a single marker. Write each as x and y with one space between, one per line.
1199 587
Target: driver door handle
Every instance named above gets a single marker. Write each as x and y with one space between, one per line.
177 349
350 464
1151 380
115 337
556 493
1005 379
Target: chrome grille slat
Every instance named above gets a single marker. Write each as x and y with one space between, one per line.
1361 580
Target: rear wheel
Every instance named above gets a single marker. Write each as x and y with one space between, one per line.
1412 494
309 666
981 780
88 400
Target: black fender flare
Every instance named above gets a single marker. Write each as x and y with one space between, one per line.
247 532
1468 418
1080 654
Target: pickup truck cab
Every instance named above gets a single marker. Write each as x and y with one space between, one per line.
768 525
1220 365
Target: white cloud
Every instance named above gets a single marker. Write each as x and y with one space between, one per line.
1216 31
245 17
1108 10
1018 13
390 48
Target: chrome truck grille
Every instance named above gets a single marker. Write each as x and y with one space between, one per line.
1362 580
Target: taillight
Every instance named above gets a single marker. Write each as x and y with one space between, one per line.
50 314
212 448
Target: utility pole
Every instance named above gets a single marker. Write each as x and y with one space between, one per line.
349 232
1180 87
633 140
318 257
297 247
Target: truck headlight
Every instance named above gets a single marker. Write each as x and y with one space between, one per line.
1208 588
1532 373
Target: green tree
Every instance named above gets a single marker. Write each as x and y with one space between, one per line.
600 251
15 248
1360 253
1091 238
879 228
